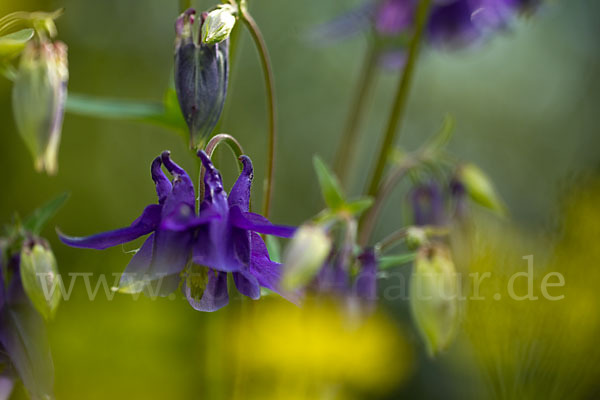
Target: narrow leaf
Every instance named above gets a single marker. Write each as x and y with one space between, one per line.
330 186
357 207
40 217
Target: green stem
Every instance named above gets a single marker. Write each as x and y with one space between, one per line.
400 101
347 145
263 53
211 146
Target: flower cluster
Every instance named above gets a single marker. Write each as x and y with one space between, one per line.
197 250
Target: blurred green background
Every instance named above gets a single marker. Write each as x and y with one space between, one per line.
526 108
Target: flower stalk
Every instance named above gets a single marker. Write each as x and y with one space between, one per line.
400 101
265 60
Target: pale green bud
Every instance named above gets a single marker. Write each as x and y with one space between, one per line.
39 96
415 237
39 275
434 295
305 255
218 24
480 188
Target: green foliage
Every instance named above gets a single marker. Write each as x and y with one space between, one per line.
38 275
40 217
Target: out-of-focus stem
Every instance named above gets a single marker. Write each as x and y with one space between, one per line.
347 145
399 107
263 53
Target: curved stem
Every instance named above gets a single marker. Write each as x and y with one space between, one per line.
347 145
399 107
271 104
210 148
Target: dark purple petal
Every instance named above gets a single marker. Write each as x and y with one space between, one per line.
240 192
266 271
163 185
220 254
171 253
366 280
215 294
332 279
145 224
213 185
450 25
258 223
2 268
428 204
138 269
183 218
247 284
183 188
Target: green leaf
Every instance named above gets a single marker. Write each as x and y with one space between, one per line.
397 260
330 186
274 248
40 217
12 44
357 207
39 275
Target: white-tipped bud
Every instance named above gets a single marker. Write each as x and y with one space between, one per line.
218 24
305 255
434 295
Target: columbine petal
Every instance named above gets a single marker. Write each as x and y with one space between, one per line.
258 223
145 224
267 272
240 192
183 219
163 185
247 284
183 188
450 25
215 294
171 252
366 281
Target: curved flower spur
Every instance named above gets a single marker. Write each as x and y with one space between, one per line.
196 250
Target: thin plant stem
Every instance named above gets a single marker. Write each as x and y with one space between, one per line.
263 53
346 149
400 101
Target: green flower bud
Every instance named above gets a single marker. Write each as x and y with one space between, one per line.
305 255
434 293
39 95
415 237
38 274
218 24
480 188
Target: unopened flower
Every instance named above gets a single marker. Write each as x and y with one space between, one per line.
305 255
39 96
480 188
201 74
434 295
218 24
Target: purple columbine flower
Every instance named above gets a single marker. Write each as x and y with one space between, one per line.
452 24
221 238
427 202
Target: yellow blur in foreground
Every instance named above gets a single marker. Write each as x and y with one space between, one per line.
318 351
544 346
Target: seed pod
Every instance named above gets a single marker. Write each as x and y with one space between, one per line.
39 96
201 73
305 255
434 293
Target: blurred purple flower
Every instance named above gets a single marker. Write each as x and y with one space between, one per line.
452 24
222 238
427 202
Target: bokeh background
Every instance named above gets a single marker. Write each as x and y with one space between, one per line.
526 105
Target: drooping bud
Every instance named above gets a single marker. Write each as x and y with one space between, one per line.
38 275
304 256
39 96
480 188
434 295
201 74
218 24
